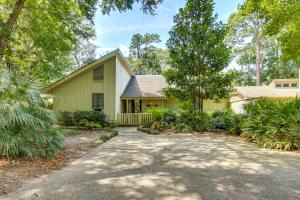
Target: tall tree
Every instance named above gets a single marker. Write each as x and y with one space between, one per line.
198 55
253 46
84 53
282 19
41 36
245 35
144 56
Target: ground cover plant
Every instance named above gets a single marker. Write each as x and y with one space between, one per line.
273 124
269 123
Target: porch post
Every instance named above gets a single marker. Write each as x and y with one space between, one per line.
126 105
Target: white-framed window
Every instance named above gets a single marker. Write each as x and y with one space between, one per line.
98 73
98 101
278 85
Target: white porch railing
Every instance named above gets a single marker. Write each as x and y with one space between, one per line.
134 119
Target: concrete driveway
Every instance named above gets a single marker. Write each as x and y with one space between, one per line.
139 166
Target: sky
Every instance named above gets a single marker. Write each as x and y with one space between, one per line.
115 30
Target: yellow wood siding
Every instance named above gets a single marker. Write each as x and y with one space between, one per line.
171 103
174 104
211 105
76 93
110 89
152 102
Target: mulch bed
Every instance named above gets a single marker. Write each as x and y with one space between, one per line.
15 173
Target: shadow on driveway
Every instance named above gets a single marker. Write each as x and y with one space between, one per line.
139 166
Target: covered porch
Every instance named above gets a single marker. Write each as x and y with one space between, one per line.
140 94
133 110
141 105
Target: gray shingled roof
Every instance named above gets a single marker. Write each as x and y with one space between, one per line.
145 86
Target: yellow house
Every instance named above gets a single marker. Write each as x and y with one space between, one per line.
109 85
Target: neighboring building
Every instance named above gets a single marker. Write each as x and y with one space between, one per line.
109 85
285 83
279 89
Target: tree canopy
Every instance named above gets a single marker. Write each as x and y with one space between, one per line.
144 57
257 40
282 18
45 39
198 55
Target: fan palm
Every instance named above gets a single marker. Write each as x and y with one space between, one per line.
25 123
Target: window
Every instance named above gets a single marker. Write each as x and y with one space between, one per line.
294 85
286 85
278 84
98 73
98 101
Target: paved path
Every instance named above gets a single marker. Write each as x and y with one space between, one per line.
139 166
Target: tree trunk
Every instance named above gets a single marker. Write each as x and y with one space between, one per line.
201 104
7 28
257 52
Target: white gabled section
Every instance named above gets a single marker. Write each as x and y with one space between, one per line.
122 78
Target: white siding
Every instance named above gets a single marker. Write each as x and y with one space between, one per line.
237 104
122 79
238 107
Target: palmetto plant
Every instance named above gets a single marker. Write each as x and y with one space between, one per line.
25 124
273 124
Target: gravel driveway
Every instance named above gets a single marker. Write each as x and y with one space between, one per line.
139 166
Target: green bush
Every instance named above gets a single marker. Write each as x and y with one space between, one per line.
91 116
273 124
193 118
236 126
182 127
82 118
226 120
157 113
66 118
169 117
26 125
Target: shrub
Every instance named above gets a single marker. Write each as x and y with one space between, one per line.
195 119
169 117
26 125
182 127
273 124
91 116
157 113
226 120
82 118
236 126
66 118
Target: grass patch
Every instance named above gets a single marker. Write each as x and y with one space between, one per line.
148 130
103 138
